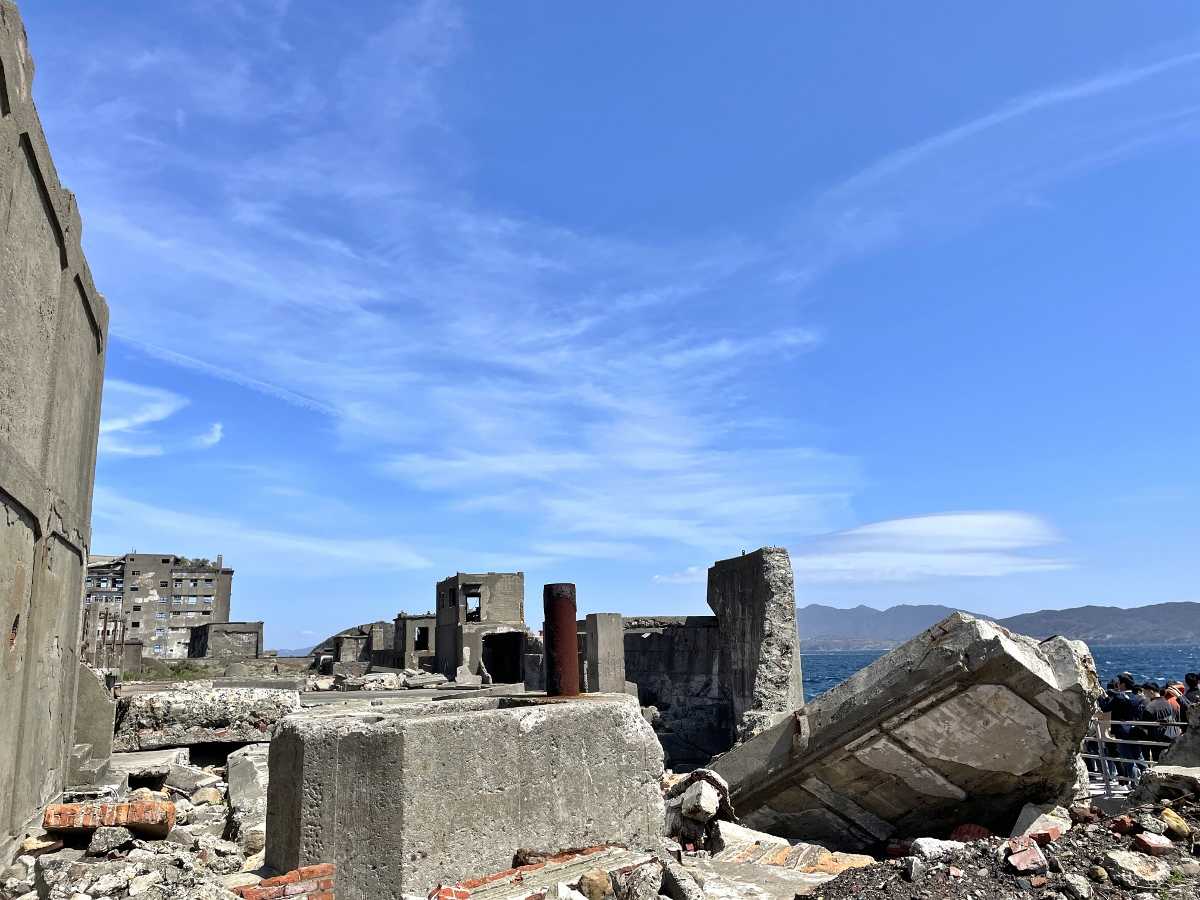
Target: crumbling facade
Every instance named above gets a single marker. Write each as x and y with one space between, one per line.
226 640
53 332
154 598
415 641
481 625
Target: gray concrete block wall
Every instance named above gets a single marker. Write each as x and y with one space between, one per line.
605 653
405 796
53 327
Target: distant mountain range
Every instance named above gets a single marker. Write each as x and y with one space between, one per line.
864 628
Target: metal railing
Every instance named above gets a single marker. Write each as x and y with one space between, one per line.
1119 772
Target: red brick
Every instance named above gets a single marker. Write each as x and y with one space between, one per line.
301 887
969 832
317 871
149 817
1152 844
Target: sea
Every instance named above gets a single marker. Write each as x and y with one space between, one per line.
1146 663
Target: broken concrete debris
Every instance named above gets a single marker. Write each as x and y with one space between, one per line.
966 722
187 716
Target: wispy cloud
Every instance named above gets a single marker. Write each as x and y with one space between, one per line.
129 411
948 545
260 550
690 575
210 438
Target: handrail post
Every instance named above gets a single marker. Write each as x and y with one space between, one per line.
1103 759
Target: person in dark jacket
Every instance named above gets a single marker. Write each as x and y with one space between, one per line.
1125 705
1157 709
1192 694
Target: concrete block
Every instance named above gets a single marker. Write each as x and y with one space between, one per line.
95 718
605 653
967 722
404 797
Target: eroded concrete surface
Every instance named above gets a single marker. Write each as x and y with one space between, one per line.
964 723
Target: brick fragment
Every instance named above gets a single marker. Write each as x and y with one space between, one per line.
1152 844
152 818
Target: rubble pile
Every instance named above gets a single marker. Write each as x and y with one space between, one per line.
1076 854
169 843
400 680
187 715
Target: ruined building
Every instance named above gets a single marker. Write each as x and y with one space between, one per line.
53 332
720 680
481 619
154 598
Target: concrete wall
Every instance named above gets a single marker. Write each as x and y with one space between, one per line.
53 328
674 662
404 796
463 620
405 654
227 640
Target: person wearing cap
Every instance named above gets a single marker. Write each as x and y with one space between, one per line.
1126 705
1160 712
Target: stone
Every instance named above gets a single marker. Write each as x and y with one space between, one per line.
207 796
701 801
967 721
1077 887
914 868
190 779
185 716
1164 782
1150 823
1152 844
248 777
147 764
1184 752
183 838
595 884
1189 868
933 849
1098 874
1025 856
1045 824
105 839
436 792
642 883
678 883
1136 871
35 846
1175 825
605 653
754 598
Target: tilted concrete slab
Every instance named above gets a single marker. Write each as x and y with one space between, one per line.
967 722
404 796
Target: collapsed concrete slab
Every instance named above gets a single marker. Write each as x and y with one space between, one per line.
755 602
967 722
248 775
95 717
184 717
405 796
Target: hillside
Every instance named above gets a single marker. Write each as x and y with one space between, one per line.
864 628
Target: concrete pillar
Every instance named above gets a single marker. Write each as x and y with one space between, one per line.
605 653
562 649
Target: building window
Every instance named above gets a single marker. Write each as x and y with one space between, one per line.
191 614
178 582
208 598
421 638
158 649
195 582
206 612
103 582
191 600
165 561
135 572
133 588
208 581
135 624
162 584
160 615
137 609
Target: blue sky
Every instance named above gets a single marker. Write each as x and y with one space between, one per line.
607 292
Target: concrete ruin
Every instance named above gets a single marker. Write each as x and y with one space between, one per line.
415 641
53 334
401 797
481 623
965 723
186 716
92 735
226 640
718 680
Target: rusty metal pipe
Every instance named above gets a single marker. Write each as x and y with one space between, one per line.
562 647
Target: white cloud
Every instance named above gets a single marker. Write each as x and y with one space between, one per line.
210 438
260 550
129 410
948 545
690 575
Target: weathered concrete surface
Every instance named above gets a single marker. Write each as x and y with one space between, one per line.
755 601
404 796
605 653
53 327
965 723
95 717
674 661
183 717
226 640
248 776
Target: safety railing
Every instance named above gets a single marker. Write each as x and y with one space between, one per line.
1116 762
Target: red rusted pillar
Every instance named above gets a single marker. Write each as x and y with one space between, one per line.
562 648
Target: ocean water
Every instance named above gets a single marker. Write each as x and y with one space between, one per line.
1146 663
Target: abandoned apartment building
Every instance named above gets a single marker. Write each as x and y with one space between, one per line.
155 599
495 762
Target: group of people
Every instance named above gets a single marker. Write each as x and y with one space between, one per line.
1142 720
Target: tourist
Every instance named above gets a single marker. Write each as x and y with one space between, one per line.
1125 705
1173 695
1160 712
1192 694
